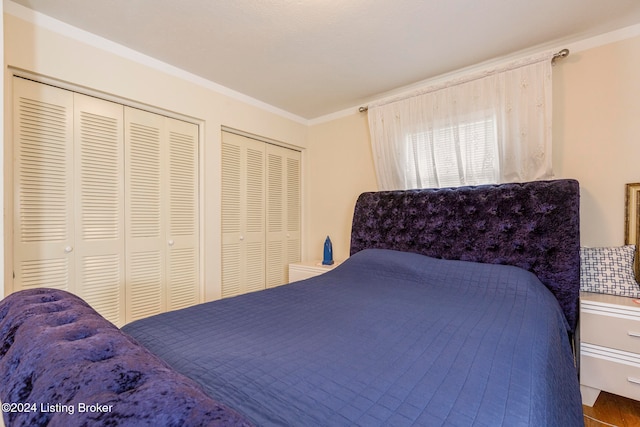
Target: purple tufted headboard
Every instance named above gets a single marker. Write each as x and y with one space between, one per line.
532 225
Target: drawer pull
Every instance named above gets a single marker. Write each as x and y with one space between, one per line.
633 380
633 334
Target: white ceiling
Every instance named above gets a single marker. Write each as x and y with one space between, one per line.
316 57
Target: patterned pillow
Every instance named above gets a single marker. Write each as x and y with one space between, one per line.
609 271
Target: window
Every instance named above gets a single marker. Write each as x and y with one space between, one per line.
464 154
491 127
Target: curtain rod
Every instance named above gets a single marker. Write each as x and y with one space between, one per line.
559 55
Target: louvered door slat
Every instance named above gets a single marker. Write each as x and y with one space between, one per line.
275 190
293 192
254 267
231 280
144 279
230 188
36 273
43 186
183 287
253 189
274 272
102 286
144 168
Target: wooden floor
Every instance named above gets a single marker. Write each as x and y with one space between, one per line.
612 410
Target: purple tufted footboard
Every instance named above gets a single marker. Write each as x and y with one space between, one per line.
62 364
532 225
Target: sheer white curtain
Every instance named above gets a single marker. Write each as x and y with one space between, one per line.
488 128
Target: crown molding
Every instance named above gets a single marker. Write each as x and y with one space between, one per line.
85 37
575 44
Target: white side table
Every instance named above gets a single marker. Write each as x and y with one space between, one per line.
306 269
609 346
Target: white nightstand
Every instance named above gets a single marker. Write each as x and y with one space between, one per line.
609 346
306 269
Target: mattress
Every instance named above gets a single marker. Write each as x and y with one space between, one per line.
386 338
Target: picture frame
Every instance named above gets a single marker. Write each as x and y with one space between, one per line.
632 222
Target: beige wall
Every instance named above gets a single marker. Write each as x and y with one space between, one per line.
340 167
66 59
597 133
596 140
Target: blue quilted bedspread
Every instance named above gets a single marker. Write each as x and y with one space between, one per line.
386 338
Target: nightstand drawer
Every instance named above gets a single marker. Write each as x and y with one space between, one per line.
620 333
615 372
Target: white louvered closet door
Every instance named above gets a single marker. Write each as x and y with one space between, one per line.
282 213
106 202
144 219
99 205
182 210
243 205
161 214
43 187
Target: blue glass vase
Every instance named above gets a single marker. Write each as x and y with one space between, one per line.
328 252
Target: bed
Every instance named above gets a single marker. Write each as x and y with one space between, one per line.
456 307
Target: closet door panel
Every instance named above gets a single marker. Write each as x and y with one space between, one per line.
183 235
43 186
283 213
243 204
276 218
144 221
99 213
254 218
293 179
231 207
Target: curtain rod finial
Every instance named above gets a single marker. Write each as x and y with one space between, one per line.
562 54
363 109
